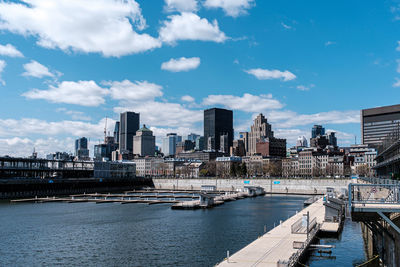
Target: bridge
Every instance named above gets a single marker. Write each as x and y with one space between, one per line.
376 203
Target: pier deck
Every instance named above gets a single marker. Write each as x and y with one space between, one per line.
277 244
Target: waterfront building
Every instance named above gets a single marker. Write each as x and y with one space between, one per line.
224 165
388 161
378 124
169 144
203 156
114 170
144 142
317 130
81 148
148 166
129 124
217 122
363 159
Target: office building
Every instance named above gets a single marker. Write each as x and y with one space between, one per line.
129 124
332 139
116 132
169 144
380 124
144 143
259 130
244 136
317 130
192 137
81 148
104 151
301 141
199 143
217 122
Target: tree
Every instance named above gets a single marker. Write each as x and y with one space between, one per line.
363 170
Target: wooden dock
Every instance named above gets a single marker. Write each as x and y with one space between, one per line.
280 245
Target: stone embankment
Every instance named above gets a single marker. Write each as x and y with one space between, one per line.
272 185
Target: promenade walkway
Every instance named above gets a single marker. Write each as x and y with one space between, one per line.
277 244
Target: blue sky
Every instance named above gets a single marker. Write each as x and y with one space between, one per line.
66 65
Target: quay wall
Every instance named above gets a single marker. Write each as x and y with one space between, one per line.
270 185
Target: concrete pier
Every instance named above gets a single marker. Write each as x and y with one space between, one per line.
283 245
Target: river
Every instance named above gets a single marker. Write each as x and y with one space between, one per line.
88 234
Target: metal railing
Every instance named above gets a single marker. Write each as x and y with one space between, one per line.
380 193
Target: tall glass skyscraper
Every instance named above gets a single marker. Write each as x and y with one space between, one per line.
217 122
317 130
128 125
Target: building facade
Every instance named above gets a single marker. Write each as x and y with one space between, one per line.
378 124
169 144
129 124
144 142
217 122
81 148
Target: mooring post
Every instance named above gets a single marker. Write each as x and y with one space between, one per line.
265 228
227 256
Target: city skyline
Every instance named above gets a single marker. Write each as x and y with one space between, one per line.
253 57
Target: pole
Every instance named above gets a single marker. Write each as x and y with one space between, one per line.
308 223
227 256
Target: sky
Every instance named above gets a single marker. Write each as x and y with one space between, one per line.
67 65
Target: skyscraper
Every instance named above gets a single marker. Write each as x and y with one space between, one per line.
129 124
260 129
116 132
169 144
317 130
81 148
217 122
144 143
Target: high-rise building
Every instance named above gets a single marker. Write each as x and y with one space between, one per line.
81 148
317 130
192 137
144 142
332 139
217 122
259 130
244 136
301 141
378 124
116 132
129 124
169 144
199 143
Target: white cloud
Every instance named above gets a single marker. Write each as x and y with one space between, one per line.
3 64
287 27
84 93
10 51
187 98
305 88
328 43
233 8
264 74
161 114
189 26
247 102
92 26
134 91
289 119
181 64
396 83
75 115
28 127
35 69
181 5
